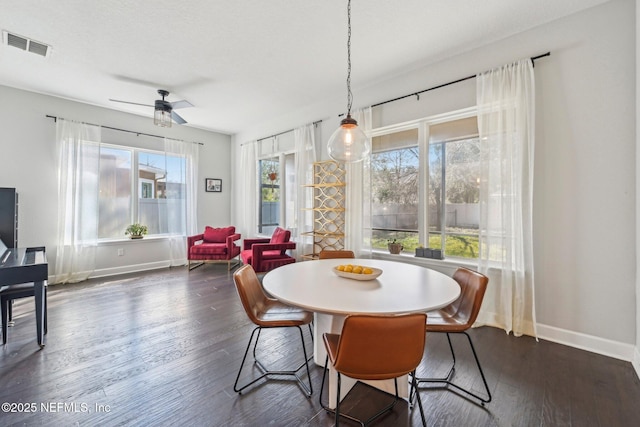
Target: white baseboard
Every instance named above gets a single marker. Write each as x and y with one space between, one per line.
636 361
130 269
615 349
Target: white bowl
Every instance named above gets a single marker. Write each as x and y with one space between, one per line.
356 276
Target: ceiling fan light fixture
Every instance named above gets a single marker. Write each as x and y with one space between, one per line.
162 114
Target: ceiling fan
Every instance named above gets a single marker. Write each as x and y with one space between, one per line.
163 110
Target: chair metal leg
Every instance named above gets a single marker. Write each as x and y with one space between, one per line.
234 265
307 389
336 411
414 385
5 319
447 380
324 374
46 328
194 266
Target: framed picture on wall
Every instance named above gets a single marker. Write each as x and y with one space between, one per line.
213 185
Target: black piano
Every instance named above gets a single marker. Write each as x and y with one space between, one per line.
25 265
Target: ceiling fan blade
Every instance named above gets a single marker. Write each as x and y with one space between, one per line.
176 118
128 102
181 104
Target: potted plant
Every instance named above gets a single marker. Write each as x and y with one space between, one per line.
394 247
136 231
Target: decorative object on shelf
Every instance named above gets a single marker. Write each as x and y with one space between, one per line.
136 231
213 185
394 247
348 143
328 207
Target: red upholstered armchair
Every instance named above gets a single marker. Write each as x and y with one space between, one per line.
266 254
214 245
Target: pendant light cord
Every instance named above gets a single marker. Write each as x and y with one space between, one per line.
349 94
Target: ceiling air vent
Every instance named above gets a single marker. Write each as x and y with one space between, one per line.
25 44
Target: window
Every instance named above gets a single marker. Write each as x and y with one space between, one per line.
454 191
146 189
115 197
277 199
395 165
426 193
269 213
159 181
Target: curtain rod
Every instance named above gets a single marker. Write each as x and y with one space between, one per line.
55 119
286 131
417 94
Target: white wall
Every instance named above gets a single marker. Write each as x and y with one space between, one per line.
585 261
28 163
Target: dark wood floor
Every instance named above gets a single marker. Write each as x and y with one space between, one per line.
163 348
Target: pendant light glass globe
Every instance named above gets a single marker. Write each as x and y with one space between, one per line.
348 144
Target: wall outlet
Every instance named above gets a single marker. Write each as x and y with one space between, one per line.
120 252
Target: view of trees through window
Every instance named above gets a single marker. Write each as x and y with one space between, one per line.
269 195
453 224
395 197
451 201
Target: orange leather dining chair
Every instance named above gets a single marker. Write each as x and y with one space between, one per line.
373 347
266 312
457 318
330 254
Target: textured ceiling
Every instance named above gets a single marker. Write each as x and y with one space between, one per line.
244 61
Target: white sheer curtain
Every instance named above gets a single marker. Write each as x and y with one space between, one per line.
248 194
182 208
78 147
358 196
506 124
305 148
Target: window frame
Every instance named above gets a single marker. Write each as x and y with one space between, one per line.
423 126
136 185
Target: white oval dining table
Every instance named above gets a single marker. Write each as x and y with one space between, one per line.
401 288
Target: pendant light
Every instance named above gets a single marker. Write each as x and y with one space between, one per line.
348 143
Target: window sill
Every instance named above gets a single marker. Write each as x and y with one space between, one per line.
110 242
411 259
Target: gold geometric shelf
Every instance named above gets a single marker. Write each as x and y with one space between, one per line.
328 207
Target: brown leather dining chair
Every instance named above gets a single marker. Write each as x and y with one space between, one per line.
457 318
266 312
373 347
330 254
